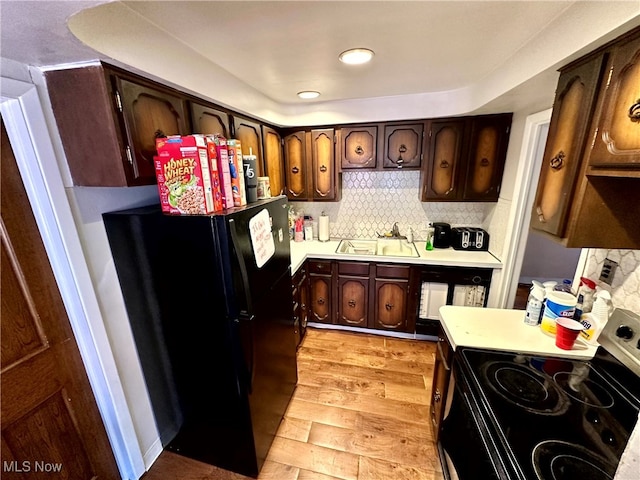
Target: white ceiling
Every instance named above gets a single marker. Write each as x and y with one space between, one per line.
432 58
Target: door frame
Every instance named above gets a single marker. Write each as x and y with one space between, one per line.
26 127
527 176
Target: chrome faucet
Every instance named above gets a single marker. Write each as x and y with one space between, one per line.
395 232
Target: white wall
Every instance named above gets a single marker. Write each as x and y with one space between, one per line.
545 259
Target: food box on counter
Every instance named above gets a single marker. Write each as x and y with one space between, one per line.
183 175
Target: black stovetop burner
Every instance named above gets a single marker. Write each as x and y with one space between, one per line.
559 419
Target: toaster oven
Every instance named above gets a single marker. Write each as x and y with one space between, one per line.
469 238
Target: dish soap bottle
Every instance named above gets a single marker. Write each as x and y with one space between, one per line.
430 232
595 321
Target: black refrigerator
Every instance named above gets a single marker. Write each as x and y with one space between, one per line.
209 301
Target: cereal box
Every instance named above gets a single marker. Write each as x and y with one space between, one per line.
217 145
216 189
237 172
184 179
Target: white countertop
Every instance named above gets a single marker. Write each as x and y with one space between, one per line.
504 330
438 256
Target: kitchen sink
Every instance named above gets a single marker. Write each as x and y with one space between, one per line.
383 247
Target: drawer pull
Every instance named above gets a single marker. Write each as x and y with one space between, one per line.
557 162
388 306
352 303
323 168
634 111
444 164
359 150
321 301
295 170
437 396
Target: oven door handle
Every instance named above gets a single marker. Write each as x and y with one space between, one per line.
441 354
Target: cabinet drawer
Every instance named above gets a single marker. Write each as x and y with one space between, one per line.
392 271
316 266
353 268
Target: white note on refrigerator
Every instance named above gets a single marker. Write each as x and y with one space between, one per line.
260 231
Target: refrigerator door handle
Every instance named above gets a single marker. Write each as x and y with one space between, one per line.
245 315
248 313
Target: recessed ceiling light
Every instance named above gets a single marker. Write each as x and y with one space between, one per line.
356 56
307 94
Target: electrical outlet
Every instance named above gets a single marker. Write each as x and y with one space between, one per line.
608 271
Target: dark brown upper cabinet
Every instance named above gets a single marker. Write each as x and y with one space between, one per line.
616 130
440 171
108 123
149 113
589 185
310 166
250 135
358 147
465 158
273 160
488 142
403 146
208 120
572 110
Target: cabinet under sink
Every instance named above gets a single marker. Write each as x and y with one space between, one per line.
384 247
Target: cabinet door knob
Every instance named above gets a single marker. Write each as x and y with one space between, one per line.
321 301
388 306
484 162
634 111
557 162
359 150
444 164
323 168
295 170
352 303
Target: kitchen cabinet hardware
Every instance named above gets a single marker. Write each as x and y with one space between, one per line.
321 301
352 303
557 162
444 164
359 150
323 168
295 170
388 306
436 396
484 162
634 111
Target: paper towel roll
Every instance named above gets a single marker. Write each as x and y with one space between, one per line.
323 228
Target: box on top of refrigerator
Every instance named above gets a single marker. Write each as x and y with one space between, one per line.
182 172
237 172
217 145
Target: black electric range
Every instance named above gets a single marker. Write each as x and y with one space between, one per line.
518 416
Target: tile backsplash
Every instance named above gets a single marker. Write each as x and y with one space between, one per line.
373 201
625 286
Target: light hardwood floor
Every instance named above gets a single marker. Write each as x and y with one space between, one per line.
360 412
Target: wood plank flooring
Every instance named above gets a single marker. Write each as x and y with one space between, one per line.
360 412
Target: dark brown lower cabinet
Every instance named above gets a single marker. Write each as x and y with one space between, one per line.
362 294
320 288
441 376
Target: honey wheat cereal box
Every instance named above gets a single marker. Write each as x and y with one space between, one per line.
182 172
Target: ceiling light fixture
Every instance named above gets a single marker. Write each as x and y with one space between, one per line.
308 94
356 56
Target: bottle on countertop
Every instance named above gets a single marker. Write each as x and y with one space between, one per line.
565 286
595 321
430 232
535 302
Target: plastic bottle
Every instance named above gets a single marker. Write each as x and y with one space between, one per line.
565 286
535 302
430 231
595 321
